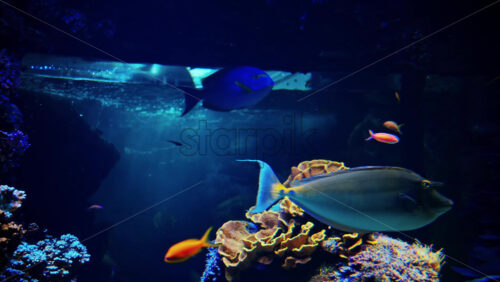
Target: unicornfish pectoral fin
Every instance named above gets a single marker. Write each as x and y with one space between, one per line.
408 202
269 187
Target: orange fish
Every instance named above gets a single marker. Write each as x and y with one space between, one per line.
393 126
383 137
95 207
186 249
396 94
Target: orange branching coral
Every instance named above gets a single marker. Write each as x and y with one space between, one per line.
311 168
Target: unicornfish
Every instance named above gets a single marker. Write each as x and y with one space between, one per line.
361 199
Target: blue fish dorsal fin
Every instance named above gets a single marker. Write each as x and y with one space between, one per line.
269 187
307 180
347 170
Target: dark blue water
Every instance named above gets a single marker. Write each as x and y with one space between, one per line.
100 121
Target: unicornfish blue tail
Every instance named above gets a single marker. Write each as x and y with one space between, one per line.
269 187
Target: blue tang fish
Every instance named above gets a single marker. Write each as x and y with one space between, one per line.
360 199
230 89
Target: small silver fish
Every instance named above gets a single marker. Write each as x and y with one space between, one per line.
361 199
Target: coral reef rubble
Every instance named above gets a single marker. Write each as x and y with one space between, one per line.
48 260
11 233
388 260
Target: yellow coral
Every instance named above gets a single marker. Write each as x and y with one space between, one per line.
310 168
288 207
239 247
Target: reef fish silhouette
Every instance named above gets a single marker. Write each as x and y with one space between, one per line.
186 249
230 89
361 199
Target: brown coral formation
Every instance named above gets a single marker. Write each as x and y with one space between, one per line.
311 168
278 236
351 243
10 232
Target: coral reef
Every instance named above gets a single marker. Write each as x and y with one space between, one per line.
311 168
10 200
48 260
12 146
285 234
275 234
10 116
10 232
388 260
14 143
349 243
211 267
9 73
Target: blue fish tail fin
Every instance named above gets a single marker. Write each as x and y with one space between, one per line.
190 99
269 187
371 135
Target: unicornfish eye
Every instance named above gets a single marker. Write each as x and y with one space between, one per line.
426 184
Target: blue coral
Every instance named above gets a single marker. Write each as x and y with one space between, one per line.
387 260
212 269
16 140
10 115
48 260
12 146
75 20
10 200
9 72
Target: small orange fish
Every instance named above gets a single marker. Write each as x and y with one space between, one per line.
396 94
184 250
393 126
383 137
95 207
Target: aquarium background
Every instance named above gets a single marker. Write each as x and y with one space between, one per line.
102 136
